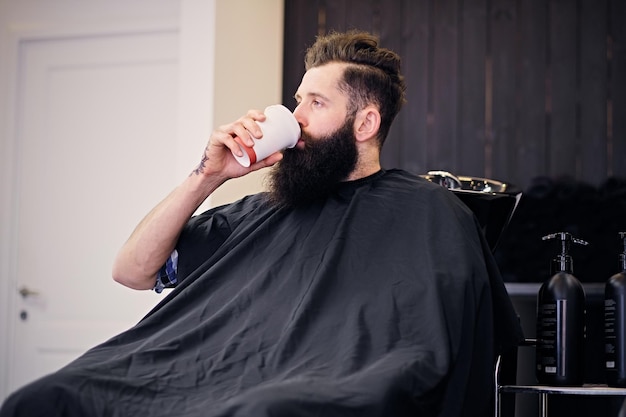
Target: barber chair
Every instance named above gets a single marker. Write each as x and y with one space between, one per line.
493 203
505 373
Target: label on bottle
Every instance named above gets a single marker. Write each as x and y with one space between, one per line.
547 338
609 332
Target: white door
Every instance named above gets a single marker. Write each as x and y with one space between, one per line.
95 149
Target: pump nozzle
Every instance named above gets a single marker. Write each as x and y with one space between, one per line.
563 262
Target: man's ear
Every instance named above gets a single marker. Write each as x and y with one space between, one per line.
367 123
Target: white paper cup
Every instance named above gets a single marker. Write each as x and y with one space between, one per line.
280 131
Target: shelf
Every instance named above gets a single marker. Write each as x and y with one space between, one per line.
591 389
543 391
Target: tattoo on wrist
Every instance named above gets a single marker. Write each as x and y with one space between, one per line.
200 168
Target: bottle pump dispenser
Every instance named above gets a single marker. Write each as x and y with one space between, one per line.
561 321
615 324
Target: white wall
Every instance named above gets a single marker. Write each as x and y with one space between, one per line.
220 82
248 71
230 61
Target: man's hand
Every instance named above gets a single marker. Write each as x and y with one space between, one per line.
218 160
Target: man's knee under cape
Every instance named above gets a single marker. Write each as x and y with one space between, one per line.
382 300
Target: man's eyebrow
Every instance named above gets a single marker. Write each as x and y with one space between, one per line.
298 97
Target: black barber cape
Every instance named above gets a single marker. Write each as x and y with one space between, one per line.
382 300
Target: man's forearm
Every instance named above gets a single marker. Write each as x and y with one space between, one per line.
155 237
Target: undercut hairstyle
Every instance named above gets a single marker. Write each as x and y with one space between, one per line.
372 75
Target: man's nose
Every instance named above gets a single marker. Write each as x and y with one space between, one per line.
298 113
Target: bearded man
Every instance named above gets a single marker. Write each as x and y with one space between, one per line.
345 290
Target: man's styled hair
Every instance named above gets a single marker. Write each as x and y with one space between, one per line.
373 76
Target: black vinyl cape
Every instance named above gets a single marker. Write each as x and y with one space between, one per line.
382 300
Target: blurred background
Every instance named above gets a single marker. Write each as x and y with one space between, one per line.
105 106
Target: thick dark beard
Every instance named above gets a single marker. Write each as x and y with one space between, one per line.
312 173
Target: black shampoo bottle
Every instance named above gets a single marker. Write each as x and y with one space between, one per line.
561 321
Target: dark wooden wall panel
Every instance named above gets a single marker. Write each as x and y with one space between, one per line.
417 124
441 148
506 89
503 75
337 14
563 137
593 90
301 27
617 92
369 13
471 137
531 156
409 138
